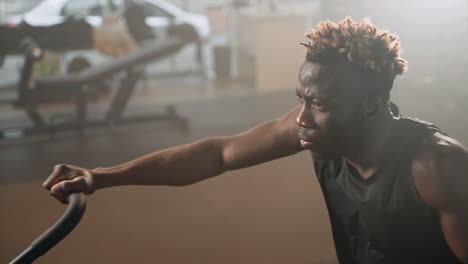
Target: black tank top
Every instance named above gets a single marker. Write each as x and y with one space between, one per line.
382 219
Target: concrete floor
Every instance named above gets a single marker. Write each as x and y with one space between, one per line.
271 213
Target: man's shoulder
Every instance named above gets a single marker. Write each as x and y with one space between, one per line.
439 167
438 148
408 124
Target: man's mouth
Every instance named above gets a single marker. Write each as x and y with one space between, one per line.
306 138
305 143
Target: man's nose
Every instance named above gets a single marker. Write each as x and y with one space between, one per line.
305 118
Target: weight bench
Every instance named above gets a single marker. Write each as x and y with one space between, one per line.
73 85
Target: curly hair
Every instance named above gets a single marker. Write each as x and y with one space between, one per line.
361 44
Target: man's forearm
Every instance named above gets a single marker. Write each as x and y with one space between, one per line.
188 164
178 166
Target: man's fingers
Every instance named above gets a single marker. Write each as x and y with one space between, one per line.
69 186
62 189
61 172
56 196
52 179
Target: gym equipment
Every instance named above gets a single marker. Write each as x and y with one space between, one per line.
63 227
73 85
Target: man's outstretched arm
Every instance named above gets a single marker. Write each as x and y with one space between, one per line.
187 164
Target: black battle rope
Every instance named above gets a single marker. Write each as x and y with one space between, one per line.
71 217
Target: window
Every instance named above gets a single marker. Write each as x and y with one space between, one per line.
152 10
82 8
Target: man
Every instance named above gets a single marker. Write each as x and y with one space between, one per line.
395 188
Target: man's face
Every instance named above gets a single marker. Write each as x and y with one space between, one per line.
331 117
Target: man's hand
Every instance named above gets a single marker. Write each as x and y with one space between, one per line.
66 179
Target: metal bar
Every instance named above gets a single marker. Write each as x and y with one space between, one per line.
125 91
21 132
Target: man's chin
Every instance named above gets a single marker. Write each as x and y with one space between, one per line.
317 154
318 151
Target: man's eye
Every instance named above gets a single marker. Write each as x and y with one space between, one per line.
299 97
317 105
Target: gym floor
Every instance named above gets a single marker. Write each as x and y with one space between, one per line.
271 213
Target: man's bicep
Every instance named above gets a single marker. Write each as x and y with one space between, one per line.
454 206
270 140
441 178
454 225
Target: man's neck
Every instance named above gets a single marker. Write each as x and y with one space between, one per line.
368 154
